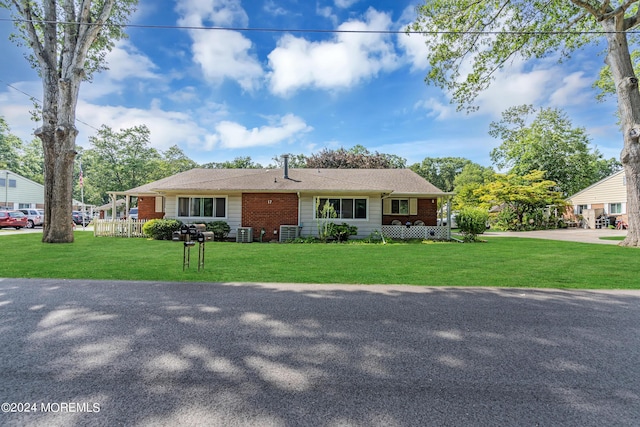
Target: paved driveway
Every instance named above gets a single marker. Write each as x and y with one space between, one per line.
567 234
170 354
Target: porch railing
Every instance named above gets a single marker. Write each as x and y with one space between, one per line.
118 227
428 232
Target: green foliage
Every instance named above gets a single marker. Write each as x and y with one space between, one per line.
341 232
472 177
441 171
471 222
521 195
357 157
544 139
237 163
324 215
220 229
161 229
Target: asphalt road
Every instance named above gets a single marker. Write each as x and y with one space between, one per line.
167 354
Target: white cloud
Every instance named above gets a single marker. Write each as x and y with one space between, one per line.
272 8
221 54
344 4
126 61
436 109
233 135
572 92
16 107
340 63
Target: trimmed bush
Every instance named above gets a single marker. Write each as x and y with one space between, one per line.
161 229
341 232
220 230
471 222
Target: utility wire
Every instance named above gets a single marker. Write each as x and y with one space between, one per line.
40 101
316 30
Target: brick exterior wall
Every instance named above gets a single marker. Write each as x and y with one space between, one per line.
147 208
427 213
269 211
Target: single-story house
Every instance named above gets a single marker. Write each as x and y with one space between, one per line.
278 204
607 197
18 192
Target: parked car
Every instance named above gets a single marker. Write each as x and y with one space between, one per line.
133 213
34 217
454 224
15 219
80 218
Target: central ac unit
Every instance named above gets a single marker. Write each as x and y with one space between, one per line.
289 232
244 235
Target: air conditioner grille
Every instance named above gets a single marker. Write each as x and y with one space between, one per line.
244 235
289 232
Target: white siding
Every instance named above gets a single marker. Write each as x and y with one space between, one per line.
25 191
234 210
609 190
365 226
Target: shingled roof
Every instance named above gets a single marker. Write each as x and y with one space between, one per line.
403 181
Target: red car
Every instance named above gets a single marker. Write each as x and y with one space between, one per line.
14 219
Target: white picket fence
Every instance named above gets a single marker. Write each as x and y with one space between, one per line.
118 227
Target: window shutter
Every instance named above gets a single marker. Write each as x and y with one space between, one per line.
413 206
386 206
158 204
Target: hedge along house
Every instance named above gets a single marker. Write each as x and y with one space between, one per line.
279 204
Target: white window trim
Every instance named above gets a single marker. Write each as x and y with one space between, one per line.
203 218
315 211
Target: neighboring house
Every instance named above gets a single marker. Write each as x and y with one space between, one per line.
606 197
276 201
18 192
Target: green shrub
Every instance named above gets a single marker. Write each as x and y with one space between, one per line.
161 229
471 222
220 230
341 232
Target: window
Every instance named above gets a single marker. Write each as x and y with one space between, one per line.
581 208
12 183
347 208
3 182
24 205
206 207
615 208
400 206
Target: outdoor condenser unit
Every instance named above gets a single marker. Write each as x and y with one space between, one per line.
244 235
289 232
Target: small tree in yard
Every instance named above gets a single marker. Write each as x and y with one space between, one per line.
68 41
324 216
471 222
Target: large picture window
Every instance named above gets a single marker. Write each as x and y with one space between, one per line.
204 207
347 208
615 208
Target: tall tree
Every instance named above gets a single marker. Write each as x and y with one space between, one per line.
440 171
465 184
32 161
357 157
173 161
295 161
548 142
118 161
469 40
68 40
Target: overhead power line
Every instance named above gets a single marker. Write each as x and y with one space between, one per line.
317 30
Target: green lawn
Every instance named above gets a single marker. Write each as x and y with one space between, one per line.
504 262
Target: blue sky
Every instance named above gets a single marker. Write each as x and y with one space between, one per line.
224 94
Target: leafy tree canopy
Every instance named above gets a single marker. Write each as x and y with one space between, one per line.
357 157
441 171
545 139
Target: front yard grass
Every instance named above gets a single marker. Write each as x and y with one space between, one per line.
501 262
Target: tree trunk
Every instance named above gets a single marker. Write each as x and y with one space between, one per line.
619 61
58 136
